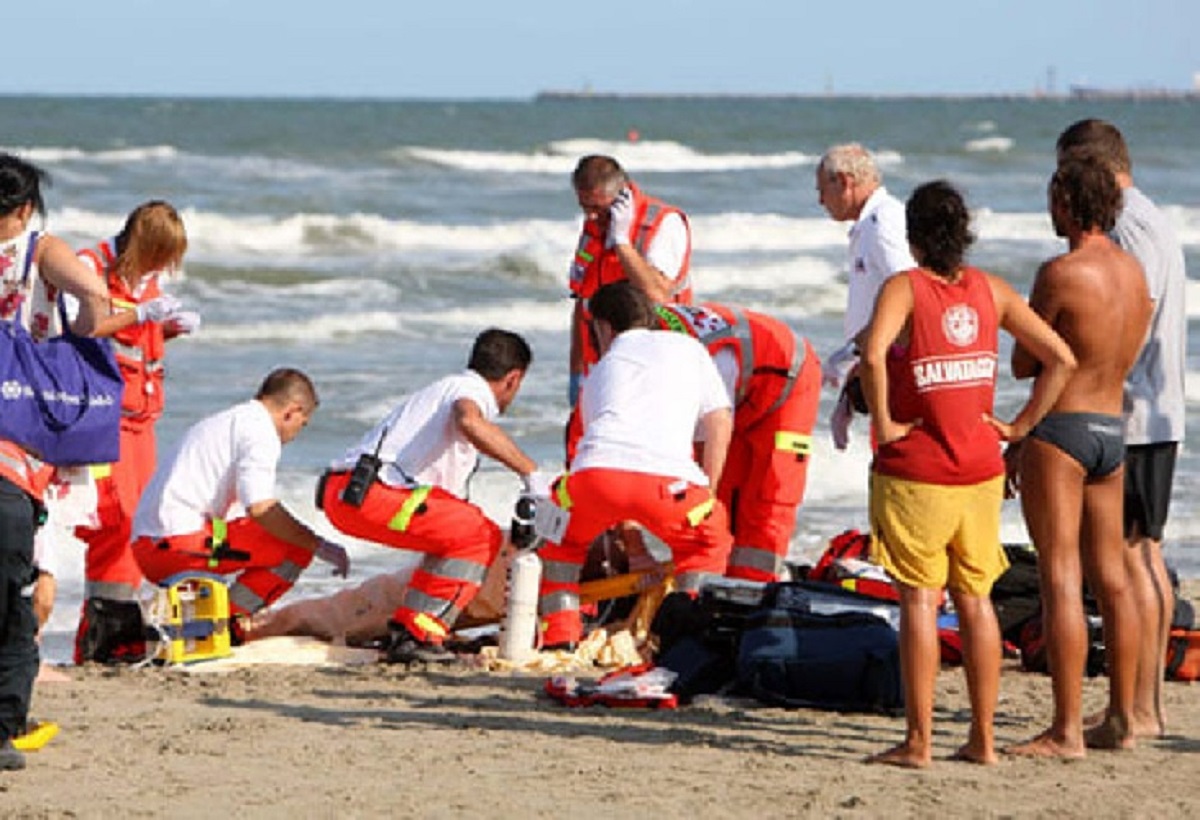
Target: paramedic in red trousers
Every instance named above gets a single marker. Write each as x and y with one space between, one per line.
850 188
52 267
428 447
151 244
650 393
626 235
773 379
929 367
183 520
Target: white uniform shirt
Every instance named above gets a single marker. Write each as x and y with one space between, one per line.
878 249
226 458
670 246
1155 406
423 445
642 403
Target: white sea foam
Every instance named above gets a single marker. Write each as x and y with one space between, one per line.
132 155
984 144
559 158
315 329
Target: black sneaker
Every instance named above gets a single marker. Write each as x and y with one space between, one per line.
110 632
11 758
404 647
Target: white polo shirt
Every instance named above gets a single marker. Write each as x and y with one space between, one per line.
226 458
669 246
421 443
642 402
878 249
1155 401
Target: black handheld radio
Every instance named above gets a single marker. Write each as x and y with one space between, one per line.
363 475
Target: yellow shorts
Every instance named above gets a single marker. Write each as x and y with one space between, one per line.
937 535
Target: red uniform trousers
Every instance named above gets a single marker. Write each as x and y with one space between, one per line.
266 566
687 517
459 542
765 474
109 568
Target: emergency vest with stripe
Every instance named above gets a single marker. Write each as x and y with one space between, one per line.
594 265
768 355
18 282
946 377
140 347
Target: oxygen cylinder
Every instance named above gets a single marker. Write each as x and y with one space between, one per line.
519 628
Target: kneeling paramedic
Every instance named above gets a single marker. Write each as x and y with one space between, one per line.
405 485
641 405
182 521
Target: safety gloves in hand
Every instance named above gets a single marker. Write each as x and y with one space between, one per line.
620 225
335 555
838 364
158 309
839 422
537 484
183 323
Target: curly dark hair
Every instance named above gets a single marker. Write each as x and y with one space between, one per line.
939 226
1087 192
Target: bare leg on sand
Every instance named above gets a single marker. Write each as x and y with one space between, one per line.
1052 502
919 661
981 663
1103 546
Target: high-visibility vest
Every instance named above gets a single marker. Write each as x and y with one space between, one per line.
139 348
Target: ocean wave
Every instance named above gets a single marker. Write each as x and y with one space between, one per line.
50 155
359 241
560 157
315 329
998 145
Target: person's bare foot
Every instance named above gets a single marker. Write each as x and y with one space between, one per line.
1143 725
903 756
51 674
969 754
1046 745
1111 733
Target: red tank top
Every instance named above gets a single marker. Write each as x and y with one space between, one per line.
947 378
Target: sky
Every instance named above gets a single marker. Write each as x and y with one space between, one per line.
481 49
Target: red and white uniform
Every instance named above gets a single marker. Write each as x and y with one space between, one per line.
635 462
110 570
660 234
774 382
946 377
227 459
418 501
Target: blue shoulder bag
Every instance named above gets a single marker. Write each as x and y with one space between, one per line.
60 398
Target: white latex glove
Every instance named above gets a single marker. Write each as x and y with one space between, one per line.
184 322
158 309
839 422
537 483
837 364
334 554
620 225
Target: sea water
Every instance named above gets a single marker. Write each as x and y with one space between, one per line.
368 242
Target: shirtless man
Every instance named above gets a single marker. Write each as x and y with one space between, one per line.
1155 406
1071 466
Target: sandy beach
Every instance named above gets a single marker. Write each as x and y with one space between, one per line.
382 741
